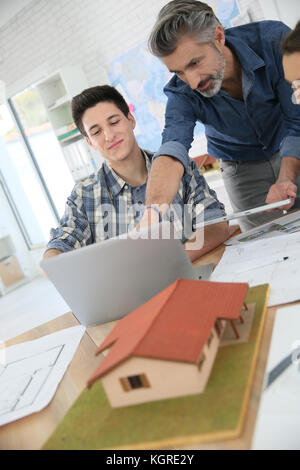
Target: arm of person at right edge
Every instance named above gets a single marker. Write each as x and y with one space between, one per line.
285 186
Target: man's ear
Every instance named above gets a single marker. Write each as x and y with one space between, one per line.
219 37
131 119
89 142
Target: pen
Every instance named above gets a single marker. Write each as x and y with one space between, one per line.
278 370
282 366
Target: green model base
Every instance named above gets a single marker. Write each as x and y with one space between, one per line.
217 413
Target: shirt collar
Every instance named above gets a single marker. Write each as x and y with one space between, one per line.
249 60
115 182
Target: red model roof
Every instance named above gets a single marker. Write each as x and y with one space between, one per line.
174 325
203 160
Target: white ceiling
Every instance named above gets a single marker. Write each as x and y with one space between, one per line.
9 8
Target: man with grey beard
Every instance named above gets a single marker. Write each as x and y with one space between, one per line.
233 82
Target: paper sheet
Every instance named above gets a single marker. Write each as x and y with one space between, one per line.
273 261
284 225
31 372
278 424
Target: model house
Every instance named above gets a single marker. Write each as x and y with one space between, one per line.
166 348
206 162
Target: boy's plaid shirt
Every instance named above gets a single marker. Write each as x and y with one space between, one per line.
102 207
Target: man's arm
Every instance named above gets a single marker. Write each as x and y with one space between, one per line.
171 159
285 186
162 186
164 179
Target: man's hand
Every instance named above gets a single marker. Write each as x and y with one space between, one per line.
280 191
285 187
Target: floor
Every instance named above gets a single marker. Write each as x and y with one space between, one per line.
25 307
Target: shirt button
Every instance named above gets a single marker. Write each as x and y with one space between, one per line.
125 186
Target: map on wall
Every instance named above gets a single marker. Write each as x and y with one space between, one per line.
141 77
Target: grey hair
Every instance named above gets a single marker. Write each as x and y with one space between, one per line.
179 18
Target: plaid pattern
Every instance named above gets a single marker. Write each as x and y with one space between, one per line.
102 206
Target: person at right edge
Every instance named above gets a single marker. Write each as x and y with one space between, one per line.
233 82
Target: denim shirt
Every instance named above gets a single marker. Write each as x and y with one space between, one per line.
264 123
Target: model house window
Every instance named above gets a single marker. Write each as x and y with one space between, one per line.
201 361
218 327
210 339
134 381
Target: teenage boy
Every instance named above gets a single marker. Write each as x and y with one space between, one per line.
111 202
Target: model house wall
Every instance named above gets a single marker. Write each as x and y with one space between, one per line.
166 379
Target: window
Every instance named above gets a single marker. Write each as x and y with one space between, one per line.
219 327
46 151
201 361
21 185
134 382
210 339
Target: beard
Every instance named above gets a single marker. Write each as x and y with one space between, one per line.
216 79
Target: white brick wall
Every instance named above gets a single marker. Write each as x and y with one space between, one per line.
50 34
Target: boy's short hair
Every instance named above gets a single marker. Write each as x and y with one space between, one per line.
291 42
91 97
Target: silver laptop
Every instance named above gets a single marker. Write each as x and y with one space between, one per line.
106 281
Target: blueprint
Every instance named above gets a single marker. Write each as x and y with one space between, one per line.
276 228
273 261
278 425
30 372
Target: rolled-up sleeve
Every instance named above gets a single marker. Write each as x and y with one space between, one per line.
178 134
290 145
74 229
